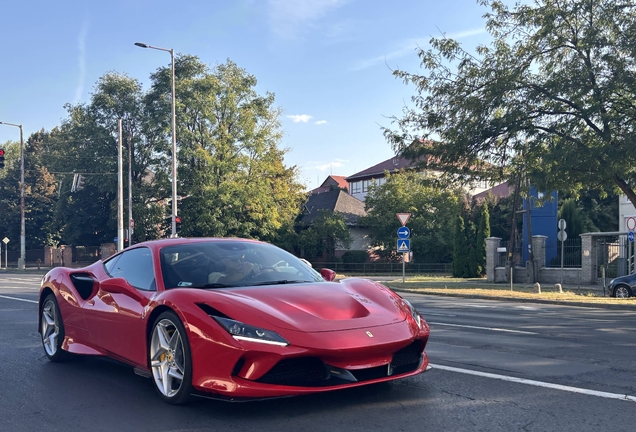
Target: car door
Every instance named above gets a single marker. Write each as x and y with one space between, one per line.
115 320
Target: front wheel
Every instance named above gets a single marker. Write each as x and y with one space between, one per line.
52 330
170 359
622 291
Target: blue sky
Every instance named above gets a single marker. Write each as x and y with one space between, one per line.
327 61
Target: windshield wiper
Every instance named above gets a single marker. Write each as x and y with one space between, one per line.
213 285
279 282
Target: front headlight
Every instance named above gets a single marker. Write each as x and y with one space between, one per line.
414 313
245 332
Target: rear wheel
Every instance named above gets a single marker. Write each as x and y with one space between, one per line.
622 291
170 359
52 330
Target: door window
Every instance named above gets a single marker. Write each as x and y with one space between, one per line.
136 267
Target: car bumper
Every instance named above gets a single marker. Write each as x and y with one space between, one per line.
313 363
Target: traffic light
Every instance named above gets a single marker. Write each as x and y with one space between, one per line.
80 182
177 222
1 158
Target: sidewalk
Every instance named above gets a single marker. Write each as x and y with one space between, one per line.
582 296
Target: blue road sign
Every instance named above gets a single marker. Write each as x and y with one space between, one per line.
404 245
116 239
630 236
404 233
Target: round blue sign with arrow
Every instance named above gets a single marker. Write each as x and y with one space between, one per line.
403 232
630 236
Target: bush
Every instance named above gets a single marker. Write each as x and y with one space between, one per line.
355 257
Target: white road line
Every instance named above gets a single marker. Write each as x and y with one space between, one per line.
539 383
19 299
482 328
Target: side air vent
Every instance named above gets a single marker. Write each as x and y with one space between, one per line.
84 284
211 311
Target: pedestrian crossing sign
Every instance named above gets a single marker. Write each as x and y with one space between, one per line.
404 245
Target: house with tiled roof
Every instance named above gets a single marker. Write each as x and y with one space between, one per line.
359 182
332 182
348 206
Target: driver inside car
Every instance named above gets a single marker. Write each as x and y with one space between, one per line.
236 269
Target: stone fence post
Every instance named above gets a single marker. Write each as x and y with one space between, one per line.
588 259
538 250
492 257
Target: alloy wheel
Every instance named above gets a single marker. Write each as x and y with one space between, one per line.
621 292
167 358
50 327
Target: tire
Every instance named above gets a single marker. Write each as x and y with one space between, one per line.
622 291
170 359
52 330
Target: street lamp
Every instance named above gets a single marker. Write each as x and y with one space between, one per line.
22 260
174 139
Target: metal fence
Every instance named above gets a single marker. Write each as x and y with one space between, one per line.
82 255
385 268
86 254
32 257
571 253
614 256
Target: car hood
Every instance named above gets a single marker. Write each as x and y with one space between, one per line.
316 307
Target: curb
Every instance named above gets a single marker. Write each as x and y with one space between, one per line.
631 308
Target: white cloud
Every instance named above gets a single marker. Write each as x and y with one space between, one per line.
409 46
300 118
324 166
81 46
321 122
289 16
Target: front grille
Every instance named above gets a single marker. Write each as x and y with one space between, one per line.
370 373
305 371
407 359
312 372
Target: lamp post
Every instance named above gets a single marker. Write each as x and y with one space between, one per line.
174 138
22 260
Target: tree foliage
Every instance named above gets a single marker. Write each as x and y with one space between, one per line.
326 232
478 251
460 261
432 213
577 221
552 94
231 172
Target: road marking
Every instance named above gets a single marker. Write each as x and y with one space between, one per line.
538 383
482 328
19 299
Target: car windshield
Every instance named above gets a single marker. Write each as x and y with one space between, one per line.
223 264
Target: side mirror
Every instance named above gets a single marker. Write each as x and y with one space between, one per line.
328 274
121 286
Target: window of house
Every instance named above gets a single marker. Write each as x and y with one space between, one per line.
365 185
356 187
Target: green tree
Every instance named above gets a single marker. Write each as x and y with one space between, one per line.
478 252
460 262
87 142
577 221
326 232
230 164
432 212
552 94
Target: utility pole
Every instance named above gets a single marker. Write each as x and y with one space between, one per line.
130 215
120 194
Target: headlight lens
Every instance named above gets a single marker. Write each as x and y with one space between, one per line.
414 313
244 332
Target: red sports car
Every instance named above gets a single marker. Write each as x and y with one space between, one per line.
231 319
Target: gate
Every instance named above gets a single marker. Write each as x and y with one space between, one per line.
614 255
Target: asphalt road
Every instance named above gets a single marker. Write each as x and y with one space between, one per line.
498 366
